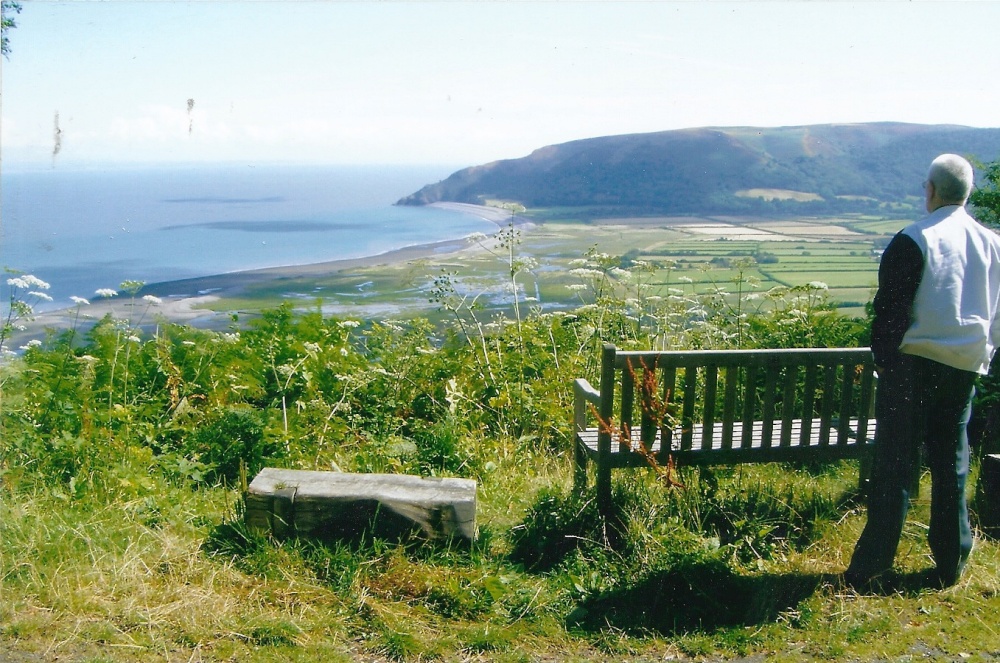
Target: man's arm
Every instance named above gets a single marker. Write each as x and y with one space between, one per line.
898 278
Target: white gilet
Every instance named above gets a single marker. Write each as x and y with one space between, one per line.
954 316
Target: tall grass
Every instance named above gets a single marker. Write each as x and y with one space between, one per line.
124 449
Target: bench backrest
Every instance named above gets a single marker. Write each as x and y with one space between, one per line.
727 390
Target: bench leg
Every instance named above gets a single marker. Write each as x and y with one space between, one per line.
604 503
579 467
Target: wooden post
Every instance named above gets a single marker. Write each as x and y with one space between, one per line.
606 413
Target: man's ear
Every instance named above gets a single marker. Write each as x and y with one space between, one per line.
932 201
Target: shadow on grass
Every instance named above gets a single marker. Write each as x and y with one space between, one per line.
699 595
908 584
343 544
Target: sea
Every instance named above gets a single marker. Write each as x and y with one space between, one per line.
86 229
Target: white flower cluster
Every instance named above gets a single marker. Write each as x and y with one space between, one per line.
27 282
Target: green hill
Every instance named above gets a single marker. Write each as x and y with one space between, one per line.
821 168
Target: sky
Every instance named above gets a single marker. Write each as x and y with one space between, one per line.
462 83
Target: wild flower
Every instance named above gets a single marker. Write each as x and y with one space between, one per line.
476 237
524 264
577 287
685 279
33 343
106 292
27 282
349 324
79 301
452 394
584 272
818 285
152 299
131 286
40 295
620 274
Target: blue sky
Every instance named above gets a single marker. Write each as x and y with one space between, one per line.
462 83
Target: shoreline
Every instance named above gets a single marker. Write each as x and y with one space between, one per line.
183 300
233 282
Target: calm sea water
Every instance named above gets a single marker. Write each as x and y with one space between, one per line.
84 230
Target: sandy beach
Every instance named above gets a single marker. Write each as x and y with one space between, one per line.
184 301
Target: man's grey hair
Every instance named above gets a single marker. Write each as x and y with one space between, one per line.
952 178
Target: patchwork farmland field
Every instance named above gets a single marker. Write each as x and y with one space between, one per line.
687 254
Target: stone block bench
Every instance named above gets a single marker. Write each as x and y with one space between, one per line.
723 407
336 504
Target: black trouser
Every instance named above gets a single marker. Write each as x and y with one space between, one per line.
919 401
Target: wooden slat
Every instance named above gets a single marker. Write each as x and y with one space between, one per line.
749 402
729 405
808 403
826 409
867 400
802 356
670 398
788 404
627 405
708 403
687 419
755 452
767 416
846 396
648 406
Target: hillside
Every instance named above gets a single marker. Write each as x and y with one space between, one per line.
747 170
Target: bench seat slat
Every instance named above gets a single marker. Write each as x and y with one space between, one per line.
629 458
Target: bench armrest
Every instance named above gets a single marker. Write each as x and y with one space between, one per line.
583 393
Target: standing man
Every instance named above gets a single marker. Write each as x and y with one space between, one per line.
935 329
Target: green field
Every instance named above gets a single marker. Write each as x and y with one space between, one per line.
677 258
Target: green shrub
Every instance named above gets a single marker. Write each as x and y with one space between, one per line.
231 437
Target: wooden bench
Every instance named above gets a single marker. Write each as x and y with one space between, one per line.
723 407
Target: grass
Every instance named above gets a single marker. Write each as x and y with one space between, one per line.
174 576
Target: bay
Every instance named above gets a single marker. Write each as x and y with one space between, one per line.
81 230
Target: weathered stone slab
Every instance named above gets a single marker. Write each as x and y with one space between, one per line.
337 504
988 496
